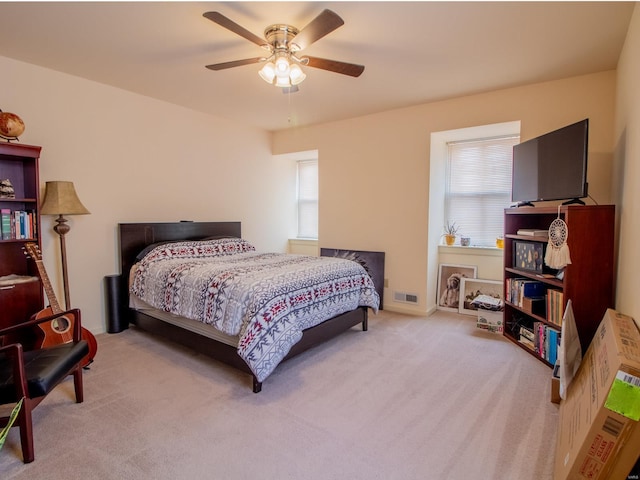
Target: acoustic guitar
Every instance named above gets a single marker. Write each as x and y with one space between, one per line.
58 330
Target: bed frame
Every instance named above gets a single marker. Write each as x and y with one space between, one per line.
135 236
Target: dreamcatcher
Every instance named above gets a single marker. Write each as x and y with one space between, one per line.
557 255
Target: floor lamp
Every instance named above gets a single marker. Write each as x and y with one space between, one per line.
60 199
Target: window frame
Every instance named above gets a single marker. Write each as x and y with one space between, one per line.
306 197
464 202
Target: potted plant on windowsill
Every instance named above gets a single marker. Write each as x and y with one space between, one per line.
450 232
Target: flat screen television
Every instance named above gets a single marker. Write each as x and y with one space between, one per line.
552 166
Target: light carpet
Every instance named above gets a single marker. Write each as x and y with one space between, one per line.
413 398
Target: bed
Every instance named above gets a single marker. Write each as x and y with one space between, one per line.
261 334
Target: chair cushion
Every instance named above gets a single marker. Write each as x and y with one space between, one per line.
44 369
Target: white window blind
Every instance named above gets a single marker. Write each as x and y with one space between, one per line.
307 199
478 187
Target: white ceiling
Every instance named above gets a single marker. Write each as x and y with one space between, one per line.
414 52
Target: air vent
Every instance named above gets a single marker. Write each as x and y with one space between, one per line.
405 297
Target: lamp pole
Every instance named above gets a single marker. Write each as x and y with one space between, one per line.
60 199
62 229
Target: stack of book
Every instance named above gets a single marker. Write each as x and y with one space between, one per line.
519 288
17 224
533 232
555 306
527 337
542 339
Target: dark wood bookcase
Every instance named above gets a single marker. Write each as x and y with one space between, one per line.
20 300
588 281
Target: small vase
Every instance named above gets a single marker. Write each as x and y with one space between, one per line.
465 241
450 239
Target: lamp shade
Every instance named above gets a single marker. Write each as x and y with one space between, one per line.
268 72
60 198
296 74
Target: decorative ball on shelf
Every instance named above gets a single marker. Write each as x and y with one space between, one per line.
11 126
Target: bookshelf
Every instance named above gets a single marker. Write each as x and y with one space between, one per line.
587 281
20 289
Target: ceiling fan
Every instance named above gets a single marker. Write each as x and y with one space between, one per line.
284 42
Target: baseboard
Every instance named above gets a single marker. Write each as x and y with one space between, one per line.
406 311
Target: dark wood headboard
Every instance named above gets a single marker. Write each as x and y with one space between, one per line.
135 236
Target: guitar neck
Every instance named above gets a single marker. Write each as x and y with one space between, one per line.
48 289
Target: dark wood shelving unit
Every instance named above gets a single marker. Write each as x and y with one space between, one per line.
20 164
588 281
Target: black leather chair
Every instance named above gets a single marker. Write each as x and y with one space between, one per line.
33 373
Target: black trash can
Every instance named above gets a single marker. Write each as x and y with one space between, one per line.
116 317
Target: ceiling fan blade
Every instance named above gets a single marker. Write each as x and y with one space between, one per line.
235 63
223 21
320 26
350 69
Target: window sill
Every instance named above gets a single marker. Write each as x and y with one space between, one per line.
303 241
471 250
304 246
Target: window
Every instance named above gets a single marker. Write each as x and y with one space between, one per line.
307 199
478 187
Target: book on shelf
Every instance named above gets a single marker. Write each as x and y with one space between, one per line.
17 224
526 333
527 343
555 306
553 344
5 226
533 232
546 342
519 288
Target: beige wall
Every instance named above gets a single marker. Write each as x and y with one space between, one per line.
626 177
132 159
374 170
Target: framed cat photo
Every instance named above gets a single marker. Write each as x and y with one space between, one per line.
449 282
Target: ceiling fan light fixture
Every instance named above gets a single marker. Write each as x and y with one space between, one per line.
296 74
282 81
284 42
268 72
282 66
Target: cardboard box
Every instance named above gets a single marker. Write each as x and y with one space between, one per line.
599 430
490 320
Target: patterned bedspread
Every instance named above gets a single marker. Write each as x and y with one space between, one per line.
267 299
